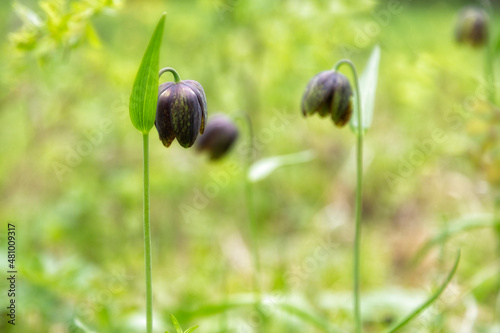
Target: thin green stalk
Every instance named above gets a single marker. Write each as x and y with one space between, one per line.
490 81
496 316
489 67
253 233
359 193
430 301
177 78
147 238
254 248
224 315
490 72
496 217
250 203
250 206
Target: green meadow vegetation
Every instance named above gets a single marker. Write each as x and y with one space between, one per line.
262 239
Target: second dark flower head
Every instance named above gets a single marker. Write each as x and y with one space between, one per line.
472 26
329 94
220 135
181 112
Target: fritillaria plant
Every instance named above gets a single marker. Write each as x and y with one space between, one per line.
330 94
179 110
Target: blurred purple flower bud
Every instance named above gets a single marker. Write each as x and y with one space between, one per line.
472 26
220 135
329 94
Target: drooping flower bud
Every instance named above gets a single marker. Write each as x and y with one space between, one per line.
220 135
181 112
329 94
472 26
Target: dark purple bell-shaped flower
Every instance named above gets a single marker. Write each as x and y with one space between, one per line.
220 135
329 94
181 112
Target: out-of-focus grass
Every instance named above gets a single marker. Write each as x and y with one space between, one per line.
80 251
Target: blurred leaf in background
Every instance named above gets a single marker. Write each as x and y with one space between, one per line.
59 25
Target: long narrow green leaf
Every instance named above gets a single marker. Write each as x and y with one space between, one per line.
311 319
189 330
213 309
463 224
177 326
145 90
82 326
27 15
368 86
429 302
264 167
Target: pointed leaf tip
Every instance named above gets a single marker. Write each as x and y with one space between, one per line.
177 326
144 94
368 86
431 299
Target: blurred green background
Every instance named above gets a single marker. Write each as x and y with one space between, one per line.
71 168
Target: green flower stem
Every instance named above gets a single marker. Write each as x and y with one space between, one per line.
359 191
250 206
245 118
490 72
253 232
490 81
147 238
496 219
177 78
